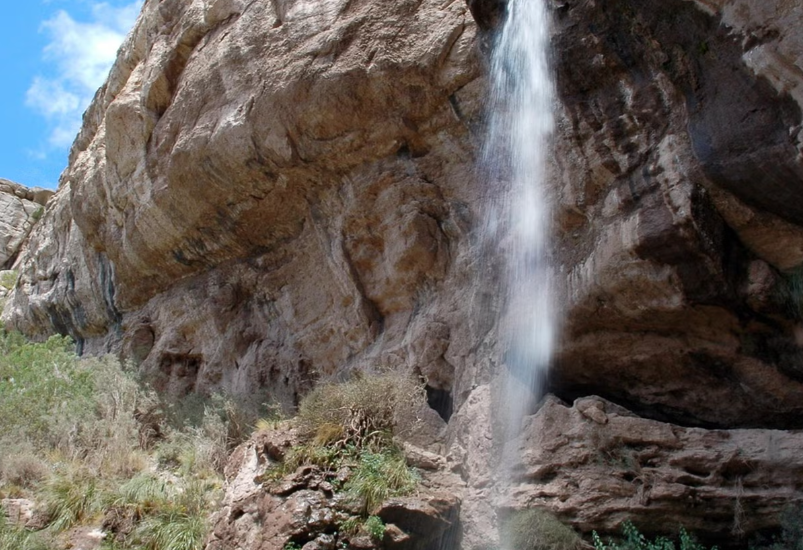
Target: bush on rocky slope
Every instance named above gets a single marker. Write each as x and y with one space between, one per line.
91 445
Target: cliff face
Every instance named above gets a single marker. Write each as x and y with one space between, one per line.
267 193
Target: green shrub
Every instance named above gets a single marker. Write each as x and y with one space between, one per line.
375 527
70 435
538 529
634 540
44 391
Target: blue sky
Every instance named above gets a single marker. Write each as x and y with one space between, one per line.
55 54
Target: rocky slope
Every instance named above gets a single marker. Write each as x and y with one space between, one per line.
265 194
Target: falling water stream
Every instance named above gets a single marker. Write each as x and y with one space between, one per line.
516 154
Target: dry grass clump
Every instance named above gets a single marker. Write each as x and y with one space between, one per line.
352 426
20 466
538 529
360 410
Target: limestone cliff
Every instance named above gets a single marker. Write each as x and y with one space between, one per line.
267 193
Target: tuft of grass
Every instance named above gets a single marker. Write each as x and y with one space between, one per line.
379 476
352 425
74 497
13 537
538 529
8 279
171 530
144 492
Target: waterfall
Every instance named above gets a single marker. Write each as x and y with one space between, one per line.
515 155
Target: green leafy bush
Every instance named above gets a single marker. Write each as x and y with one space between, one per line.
538 529
45 393
634 540
375 527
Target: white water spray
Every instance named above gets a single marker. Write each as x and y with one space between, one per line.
516 154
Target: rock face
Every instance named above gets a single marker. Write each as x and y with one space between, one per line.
20 209
294 182
268 193
596 465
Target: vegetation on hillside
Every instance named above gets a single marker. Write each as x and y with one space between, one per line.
92 445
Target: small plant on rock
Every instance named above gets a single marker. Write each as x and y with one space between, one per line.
8 279
634 540
375 527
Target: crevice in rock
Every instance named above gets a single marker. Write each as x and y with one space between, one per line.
441 401
371 311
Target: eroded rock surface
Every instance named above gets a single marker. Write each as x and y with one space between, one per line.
596 464
293 181
20 209
677 167
265 194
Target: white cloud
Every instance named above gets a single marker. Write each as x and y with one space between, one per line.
81 53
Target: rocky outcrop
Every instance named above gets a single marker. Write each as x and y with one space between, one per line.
596 465
268 193
20 209
306 509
